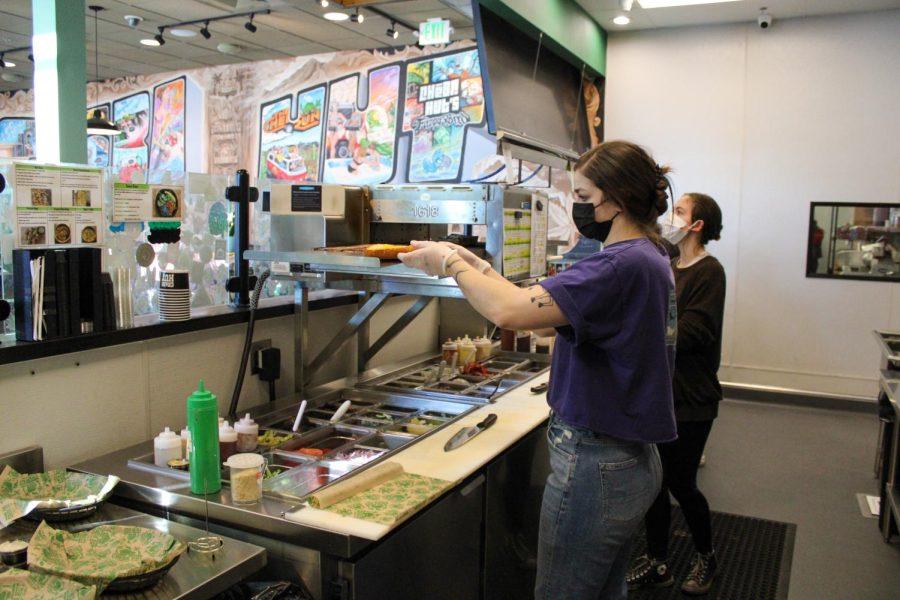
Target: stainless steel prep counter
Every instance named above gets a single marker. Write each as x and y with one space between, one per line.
193 576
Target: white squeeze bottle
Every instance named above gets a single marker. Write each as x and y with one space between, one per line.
247 434
186 442
166 447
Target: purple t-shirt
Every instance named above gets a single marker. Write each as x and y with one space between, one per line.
612 365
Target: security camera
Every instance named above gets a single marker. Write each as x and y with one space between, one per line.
764 20
133 20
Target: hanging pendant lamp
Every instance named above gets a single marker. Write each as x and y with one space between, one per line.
97 124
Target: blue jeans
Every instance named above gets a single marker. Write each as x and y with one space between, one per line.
596 495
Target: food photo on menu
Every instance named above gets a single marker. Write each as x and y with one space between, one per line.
62 233
33 236
89 234
166 203
81 197
41 197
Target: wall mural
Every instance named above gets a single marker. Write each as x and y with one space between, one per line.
444 96
130 151
16 137
333 117
167 141
290 137
98 145
361 141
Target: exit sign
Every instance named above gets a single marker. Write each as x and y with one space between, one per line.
434 31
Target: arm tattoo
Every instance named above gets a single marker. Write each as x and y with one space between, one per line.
542 300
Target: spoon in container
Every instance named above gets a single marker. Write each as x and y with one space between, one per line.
299 417
341 411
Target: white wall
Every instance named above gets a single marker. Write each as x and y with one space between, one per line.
85 404
767 122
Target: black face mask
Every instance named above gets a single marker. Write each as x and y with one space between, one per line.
583 215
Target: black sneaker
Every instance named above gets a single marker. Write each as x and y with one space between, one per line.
649 572
700 579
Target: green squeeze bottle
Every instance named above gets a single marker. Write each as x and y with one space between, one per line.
203 422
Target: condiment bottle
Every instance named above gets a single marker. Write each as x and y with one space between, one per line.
523 341
202 413
227 441
448 350
466 352
166 446
247 434
186 443
483 348
246 477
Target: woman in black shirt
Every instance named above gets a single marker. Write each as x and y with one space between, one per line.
700 297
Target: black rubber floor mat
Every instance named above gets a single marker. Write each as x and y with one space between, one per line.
754 558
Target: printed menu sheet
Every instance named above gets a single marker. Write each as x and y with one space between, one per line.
539 217
134 202
516 242
57 206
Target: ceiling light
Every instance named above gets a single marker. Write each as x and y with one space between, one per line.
133 20
622 20
226 48
150 42
249 26
669 3
323 3
357 17
159 37
204 31
185 33
336 16
97 124
392 31
5 64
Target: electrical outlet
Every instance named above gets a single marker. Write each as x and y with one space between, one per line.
255 348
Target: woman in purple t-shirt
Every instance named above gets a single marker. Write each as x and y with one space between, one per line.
611 375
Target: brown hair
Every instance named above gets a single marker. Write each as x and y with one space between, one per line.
628 175
704 208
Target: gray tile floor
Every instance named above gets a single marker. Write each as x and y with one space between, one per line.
805 466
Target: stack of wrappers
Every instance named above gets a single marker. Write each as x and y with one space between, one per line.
22 493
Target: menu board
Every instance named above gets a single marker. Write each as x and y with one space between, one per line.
134 202
57 206
516 243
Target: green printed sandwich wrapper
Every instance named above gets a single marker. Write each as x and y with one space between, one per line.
21 493
102 554
391 502
18 584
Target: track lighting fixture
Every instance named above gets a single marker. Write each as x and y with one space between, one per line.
204 31
4 64
249 26
159 37
323 3
357 17
392 31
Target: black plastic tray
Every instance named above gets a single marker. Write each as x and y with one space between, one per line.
124 585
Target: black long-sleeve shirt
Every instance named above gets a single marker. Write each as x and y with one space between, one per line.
700 296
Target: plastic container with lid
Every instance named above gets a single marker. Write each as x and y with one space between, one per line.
166 446
466 352
246 477
203 412
448 351
483 349
523 341
227 441
247 434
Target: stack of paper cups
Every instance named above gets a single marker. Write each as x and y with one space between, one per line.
174 296
124 309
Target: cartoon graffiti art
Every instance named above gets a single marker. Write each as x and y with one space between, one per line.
444 96
130 151
17 137
360 144
167 138
290 140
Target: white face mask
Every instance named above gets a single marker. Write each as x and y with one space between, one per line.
674 230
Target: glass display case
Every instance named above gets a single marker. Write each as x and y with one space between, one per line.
854 241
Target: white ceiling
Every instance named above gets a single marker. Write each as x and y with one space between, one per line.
294 28
727 12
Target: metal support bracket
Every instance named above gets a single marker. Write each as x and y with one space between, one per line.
350 329
398 326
